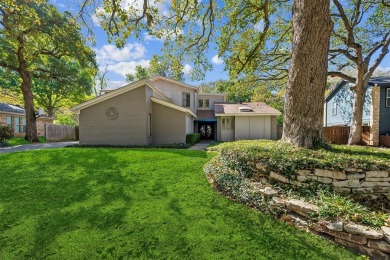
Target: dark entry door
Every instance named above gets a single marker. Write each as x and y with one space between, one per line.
206 130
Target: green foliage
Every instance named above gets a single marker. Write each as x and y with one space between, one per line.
286 158
67 82
334 207
121 203
159 66
192 138
66 119
6 132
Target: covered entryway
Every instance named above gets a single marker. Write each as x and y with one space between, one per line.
206 128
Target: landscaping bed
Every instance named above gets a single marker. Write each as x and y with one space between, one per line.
263 175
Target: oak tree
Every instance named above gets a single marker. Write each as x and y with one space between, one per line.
30 31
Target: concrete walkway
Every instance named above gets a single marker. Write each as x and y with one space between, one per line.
28 147
201 145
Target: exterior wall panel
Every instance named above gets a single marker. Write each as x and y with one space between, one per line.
174 92
168 125
129 128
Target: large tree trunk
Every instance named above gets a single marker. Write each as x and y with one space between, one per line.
31 125
356 130
304 104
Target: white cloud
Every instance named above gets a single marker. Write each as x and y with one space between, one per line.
109 54
125 67
162 6
217 60
187 69
259 26
113 84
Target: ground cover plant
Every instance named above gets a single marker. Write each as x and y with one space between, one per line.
83 203
233 170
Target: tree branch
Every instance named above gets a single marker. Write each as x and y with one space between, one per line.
341 75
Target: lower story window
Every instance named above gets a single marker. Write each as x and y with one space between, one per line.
226 124
18 123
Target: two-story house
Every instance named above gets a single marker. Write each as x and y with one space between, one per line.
163 111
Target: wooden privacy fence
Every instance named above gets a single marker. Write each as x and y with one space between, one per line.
340 134
58 133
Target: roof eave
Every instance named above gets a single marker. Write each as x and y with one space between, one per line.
118 92
173 106
248 114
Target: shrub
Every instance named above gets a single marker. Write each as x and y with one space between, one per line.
192 138
6 132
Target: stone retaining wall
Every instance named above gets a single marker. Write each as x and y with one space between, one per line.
348 181
362 239
359 238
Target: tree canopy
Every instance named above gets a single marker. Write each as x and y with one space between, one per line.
32 32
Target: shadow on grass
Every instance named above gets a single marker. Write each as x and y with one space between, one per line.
122 203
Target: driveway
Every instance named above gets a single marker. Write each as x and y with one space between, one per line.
28 147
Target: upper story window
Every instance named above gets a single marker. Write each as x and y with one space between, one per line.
204 103
388 97
334 109
186 99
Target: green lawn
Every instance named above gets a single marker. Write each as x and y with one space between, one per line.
88 203
20 140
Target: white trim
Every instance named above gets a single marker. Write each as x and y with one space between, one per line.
387 103
250 114
174 82
118 92
171 105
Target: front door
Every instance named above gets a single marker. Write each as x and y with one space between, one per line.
206 130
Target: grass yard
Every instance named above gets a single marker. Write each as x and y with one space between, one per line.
88 203
20 140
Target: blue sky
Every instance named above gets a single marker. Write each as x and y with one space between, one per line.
139 52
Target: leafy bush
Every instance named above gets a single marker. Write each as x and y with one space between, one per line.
192 138
6 132
4 143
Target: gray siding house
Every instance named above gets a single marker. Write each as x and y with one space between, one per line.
163 111
376 110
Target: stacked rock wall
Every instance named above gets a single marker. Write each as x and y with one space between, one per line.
348 181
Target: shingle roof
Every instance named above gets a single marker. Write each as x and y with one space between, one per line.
256 107
4 107
205 114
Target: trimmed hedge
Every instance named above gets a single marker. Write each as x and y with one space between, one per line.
192 138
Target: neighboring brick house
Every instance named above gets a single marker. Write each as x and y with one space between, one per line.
15 116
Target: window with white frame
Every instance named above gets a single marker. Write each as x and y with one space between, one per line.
227 124
204 103
334 108
186 99
388 97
